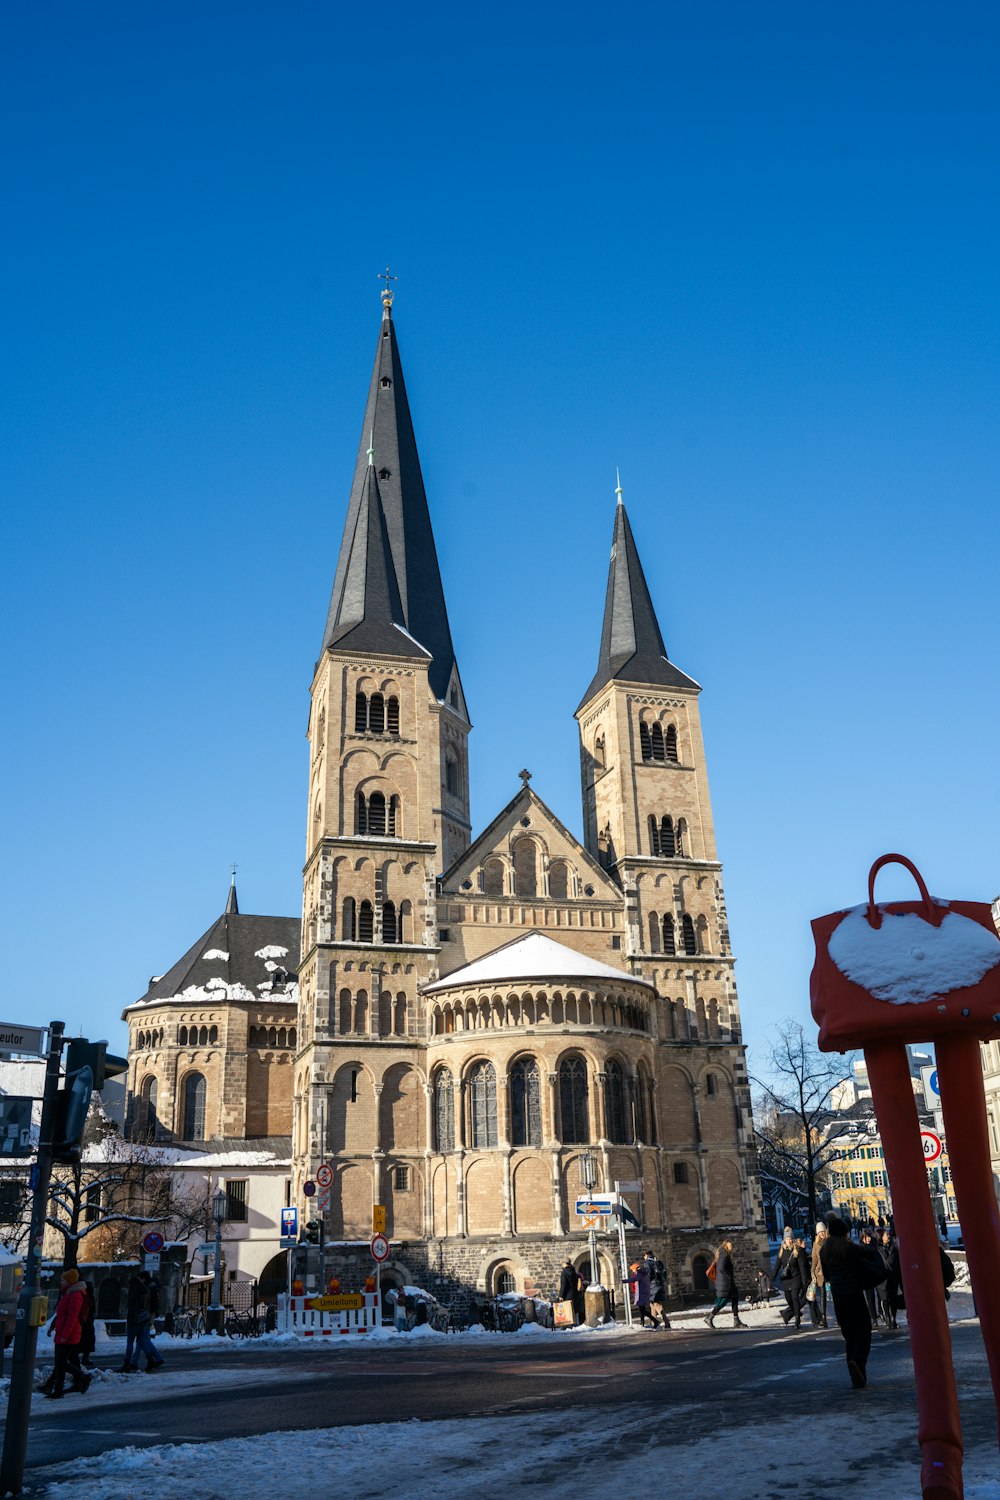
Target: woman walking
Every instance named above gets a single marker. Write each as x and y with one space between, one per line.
791 1275
850 1270
817 1307
726 1289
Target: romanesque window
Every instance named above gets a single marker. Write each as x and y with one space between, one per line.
671 743
669 941
371 815
213 1035
616 1105
656 741
559 881
360 713
393 822
525 1103
193 1125
399 1025
573 1101
483 1105
146 1121
654 932
376 714
404 923
366 922
444 1110
606 847
645 744
711 1084
493 877
451 778
392 716
599 752
525 869
688 932
680 837
641 1105
182 1036
389 932
349 927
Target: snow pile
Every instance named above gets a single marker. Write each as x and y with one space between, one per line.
271 951
907 960
216 953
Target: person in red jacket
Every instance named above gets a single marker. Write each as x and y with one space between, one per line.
71 1311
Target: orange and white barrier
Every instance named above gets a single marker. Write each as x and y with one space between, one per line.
319 1317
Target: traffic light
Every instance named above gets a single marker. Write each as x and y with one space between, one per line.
314 1232
88 1066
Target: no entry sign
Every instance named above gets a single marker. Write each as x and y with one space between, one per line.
152 1242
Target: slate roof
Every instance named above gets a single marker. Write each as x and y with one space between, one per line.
632 648
532 957
405 528
240 937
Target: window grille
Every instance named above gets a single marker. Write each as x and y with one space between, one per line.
645 745
236 1201
376 714
656 741
389 934
401 1179
360 713
392 715
349 930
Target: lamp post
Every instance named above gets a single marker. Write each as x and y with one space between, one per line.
216 1313
588 1174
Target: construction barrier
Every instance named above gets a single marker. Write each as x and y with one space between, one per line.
299 1315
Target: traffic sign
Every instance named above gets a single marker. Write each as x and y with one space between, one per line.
207 1250
932 1144
378 1219
323 1200
338 1302
153 1242
597 1203
15 1125
630 1187
324 1175
289 1223
15 1039
309 1188
380 1248
152 1261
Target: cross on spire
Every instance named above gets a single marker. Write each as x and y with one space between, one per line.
387 295
525 777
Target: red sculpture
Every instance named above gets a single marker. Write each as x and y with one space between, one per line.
924 971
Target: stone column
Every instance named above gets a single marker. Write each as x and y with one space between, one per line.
460 1193
503 1109
702 1160
550 1111
558 1212
507 1230
600 1130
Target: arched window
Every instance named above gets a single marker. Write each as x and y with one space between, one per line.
599 754
493 877
483 1106
349 928
394 827
654 932
504 1282
291 1037
687 929
203 1036
615 1104
399 1025
680 837
573 1101
346 1018
213 1035
376 714
451 774
525 869
360 713
667 845
376 814
405 923
559 881
361 814
193 1124
656 741
444 1111
606 847
147 1122
272 1036
669 941
392 715
641 1101
389 922
366 922
671 743
182 1036
699 1274
645 744
654 835
525 1103
711 1084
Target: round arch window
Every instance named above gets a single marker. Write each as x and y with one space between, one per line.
504 1281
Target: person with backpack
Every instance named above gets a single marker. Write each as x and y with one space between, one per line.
67 1326
657 1289
726 1289
850 1271
638 1282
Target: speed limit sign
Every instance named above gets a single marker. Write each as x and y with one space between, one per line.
324 1175
932 1144
380 1248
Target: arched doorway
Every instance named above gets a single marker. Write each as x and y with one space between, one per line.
274 1279
699 1269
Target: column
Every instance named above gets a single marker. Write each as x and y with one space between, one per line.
600 1122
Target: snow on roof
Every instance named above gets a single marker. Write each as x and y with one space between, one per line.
907 960
534 957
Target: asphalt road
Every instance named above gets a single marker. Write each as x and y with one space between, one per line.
736 1375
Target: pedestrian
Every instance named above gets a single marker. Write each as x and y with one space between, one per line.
791 1275
147 1326
136 1306
866 1241
569 1288
639 1282
726 1289
817 1307
850 1270
88 1338
657 1289
67 1325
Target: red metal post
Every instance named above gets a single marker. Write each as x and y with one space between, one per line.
940 1431
963 1101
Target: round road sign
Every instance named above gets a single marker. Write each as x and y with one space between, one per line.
309 1188
152 1242
932 1145
380 1247
324 1175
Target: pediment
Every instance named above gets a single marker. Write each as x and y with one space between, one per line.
527 820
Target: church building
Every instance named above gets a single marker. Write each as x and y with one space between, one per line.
466 1030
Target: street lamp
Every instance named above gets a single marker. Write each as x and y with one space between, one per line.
217 1313
588 1175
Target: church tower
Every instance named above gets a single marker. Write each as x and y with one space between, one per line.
388 803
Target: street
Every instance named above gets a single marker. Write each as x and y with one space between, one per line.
774 1403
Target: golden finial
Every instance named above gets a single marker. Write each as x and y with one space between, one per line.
388 294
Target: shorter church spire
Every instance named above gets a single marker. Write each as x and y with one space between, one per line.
232 905
632 648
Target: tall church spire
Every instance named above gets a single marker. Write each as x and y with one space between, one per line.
369 611
413 582
632 648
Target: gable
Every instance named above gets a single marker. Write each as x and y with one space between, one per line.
528 852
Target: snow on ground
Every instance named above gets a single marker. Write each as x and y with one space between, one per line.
563 1455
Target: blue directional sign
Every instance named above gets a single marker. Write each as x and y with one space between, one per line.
933 1084
289 1223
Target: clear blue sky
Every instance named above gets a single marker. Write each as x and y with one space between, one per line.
748 253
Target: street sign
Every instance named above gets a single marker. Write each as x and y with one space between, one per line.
15 1039
207 1250
152 1242
324 1175
323 1200
341 1302
309 1188
932 1144
631 1187
152 1261
380 1248
378 1219
931 1088
597 1203
289 1223
15 1125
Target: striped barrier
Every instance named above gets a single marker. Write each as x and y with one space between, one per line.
315 1317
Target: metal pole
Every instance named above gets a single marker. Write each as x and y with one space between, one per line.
22 1365
623 1258
217 1276
322 1255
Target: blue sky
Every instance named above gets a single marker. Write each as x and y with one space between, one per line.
746 253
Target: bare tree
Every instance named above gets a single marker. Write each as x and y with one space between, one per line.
796 1127
15 1208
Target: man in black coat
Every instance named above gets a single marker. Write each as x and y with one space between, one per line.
569 1288
850 1270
